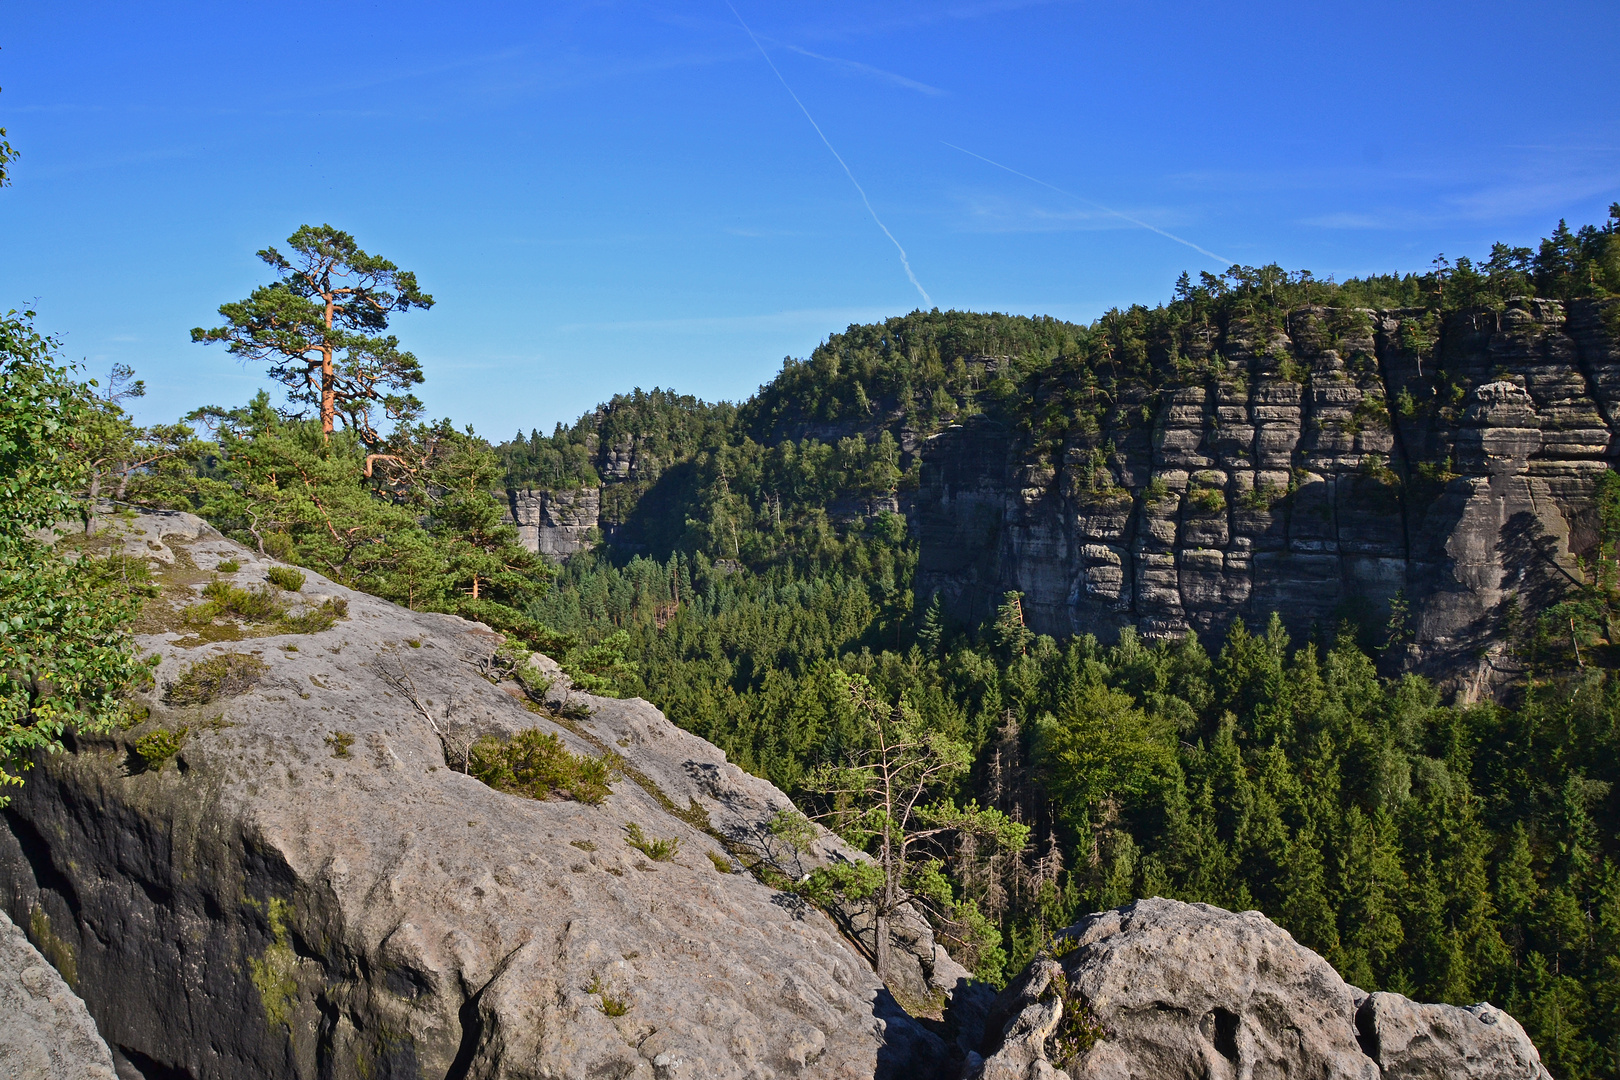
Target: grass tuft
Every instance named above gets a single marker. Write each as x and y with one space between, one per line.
611 1004
225 675
316 619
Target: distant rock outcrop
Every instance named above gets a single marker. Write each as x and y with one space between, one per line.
555 523
284 873
45 1032
1162 990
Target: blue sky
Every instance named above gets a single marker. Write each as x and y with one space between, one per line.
605 195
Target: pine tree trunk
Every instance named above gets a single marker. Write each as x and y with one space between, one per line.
328 394
881 930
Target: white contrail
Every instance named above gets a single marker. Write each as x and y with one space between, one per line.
1098 205
905 262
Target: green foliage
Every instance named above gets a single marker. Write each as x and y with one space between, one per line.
422 529
538 765
339 741
157 747
285 577
224 675
657 850
228 566
721 863
1078 1029
63 655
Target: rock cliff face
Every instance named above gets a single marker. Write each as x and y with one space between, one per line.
309 888
1162 990
1333 464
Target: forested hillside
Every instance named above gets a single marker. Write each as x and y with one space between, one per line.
750 556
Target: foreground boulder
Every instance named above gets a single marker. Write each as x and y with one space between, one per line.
1161 990
45 1032
280 868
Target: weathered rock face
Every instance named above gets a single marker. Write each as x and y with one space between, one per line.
1162 990
309 888
45 1032
1322 473
555 523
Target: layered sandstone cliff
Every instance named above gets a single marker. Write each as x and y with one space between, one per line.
1327 467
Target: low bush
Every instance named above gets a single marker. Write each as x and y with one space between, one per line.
314 620
157 747
285 577
223 598
219 676
340 741
537 764
228 566
656 850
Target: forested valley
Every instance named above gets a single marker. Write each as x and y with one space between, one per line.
752 556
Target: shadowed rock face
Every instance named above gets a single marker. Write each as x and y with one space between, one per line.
1162 990
1319 476
45 1032
308 889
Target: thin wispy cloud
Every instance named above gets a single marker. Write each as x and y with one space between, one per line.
867 69
1092 202
992 214
839 317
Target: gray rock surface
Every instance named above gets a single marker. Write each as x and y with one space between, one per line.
1446 1042
310 888
45 1031
1164 990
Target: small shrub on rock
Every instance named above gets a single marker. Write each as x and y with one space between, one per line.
656 850
316 619
219 676
228 566
1079 1029
340 741
223 598
157 747
285 577
537 764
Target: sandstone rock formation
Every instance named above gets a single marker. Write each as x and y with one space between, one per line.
45 1032
555 523
309 886
1331 465
1161 990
